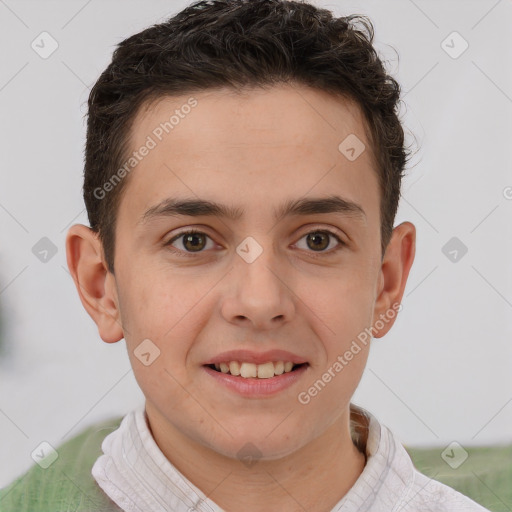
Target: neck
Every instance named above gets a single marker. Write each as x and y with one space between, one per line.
313 479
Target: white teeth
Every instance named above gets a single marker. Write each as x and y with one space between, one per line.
234 368
248 370
288 366
279 368
251 370
266 370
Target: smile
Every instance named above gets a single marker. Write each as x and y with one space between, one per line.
256 381
252 370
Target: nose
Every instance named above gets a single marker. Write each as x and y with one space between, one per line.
259 295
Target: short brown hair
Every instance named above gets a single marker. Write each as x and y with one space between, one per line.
240 43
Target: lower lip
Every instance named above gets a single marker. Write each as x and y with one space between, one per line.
254 387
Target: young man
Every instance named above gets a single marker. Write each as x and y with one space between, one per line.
242 175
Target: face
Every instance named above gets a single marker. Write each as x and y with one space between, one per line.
259 281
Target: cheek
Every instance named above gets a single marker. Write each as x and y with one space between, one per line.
334 384
343 309
166 388
152 301
344 301
165 309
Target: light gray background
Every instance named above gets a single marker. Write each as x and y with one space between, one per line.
444 371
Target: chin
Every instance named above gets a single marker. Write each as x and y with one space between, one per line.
258 443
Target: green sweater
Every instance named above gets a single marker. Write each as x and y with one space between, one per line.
67 484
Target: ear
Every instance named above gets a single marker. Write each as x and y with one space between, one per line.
396 265
94 283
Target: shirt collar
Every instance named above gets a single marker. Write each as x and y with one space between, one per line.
138 477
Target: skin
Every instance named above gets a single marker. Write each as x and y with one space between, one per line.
254 151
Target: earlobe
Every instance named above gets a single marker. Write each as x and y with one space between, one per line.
395 268
95 285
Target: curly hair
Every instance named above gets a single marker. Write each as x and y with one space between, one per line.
240 43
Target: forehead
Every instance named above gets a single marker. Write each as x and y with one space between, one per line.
283 114
264 144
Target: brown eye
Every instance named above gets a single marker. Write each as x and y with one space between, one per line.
190 242
194 241
318 241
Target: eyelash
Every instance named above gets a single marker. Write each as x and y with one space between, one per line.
179 252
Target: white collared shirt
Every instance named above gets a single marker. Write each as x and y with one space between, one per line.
137 476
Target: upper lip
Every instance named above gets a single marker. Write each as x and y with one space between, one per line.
249 356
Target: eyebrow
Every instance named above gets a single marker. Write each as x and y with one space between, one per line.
199 207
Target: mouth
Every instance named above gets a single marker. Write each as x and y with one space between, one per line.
247 370
256 375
